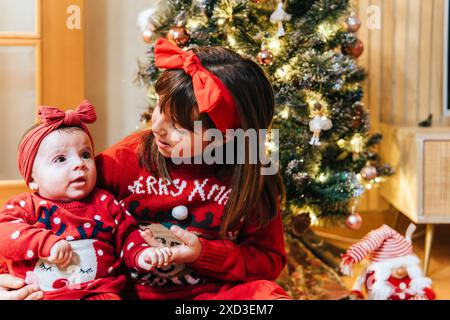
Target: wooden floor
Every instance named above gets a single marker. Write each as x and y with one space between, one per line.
439 270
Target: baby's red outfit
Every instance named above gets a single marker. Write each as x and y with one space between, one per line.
243 266
96 228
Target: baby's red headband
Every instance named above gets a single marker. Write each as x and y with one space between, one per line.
51 119
213 97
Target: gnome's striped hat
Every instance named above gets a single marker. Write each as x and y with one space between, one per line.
381 244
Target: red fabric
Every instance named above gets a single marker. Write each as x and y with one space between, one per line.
429 293
51 118
3 268
247 255
30 225
357 294
253 290
211 94
104 296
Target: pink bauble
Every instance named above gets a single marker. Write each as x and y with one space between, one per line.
147 36
354 221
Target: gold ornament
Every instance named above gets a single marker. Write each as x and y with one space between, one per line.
178 36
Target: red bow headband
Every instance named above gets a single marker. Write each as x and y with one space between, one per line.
51 119
213 97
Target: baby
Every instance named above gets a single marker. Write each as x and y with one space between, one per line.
67 235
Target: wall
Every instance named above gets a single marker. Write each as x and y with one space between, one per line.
404 60
113 45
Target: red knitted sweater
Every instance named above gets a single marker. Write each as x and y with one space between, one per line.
96 227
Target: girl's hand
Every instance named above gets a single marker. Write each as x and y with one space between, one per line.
12 288
191 248
61 254
154 257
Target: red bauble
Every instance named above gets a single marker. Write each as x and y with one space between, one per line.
354 222
353 49
265 57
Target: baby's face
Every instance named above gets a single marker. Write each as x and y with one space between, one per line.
64 168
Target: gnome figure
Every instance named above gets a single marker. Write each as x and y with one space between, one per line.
393 272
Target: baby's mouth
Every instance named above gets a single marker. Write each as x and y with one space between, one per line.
80 180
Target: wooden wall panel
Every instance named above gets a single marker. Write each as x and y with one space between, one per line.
386 47
63 55
404 61
407 61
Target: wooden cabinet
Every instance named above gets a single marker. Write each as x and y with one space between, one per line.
420 189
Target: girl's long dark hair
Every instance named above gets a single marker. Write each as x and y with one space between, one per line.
254 197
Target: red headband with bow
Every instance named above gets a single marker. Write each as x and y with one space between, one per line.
213 97
51 118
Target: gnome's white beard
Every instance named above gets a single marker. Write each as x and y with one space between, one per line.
382 289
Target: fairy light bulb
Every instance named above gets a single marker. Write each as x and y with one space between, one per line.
322 177
281 73
274 45
327 30
357 143
231 40
285 113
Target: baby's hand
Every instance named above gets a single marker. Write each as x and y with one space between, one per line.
147 235
61 254
154 257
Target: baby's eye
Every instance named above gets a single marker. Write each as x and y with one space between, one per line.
86 271
86 155
45 268
60 159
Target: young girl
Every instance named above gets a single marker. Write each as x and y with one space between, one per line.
227 236
67 235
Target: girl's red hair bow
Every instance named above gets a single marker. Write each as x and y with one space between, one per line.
85 113
213 97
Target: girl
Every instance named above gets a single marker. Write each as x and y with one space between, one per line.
226 234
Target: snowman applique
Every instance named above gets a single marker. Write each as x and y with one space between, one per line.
82 269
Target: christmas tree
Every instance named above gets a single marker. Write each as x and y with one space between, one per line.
308 49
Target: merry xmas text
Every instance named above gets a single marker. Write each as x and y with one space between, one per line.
202 189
